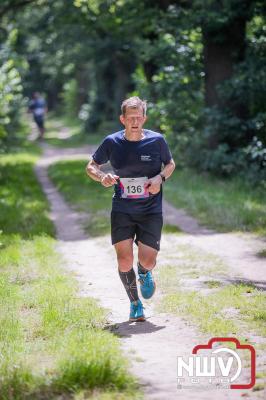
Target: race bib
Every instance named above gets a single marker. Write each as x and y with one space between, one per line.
133 188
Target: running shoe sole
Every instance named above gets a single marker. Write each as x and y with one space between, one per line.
139 319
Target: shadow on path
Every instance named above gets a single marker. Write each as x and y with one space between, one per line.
260 285
127 329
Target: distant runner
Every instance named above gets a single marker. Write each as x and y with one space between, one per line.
141 161
38 108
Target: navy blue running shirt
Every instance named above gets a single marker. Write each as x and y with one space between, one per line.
134 159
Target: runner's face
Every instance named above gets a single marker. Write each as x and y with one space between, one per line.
133 120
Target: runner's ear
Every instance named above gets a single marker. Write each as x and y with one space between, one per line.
122 119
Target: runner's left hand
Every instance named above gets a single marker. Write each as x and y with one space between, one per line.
154 184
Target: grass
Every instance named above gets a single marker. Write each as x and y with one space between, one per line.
20 144
262 253
212 312
195 285
24 208
192 262
225 308
52 343
212 284
168 228
84 194
226 205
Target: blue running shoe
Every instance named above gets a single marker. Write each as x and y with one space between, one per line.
147 285
136 311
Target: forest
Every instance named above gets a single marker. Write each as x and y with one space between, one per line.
200 64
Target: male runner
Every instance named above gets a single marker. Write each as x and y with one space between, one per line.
37 107
141 161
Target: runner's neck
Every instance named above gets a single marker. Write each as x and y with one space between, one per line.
135 137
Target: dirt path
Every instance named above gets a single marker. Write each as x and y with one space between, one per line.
153 345
239 251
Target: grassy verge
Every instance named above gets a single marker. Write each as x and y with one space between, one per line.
262 253
196 283
84 194
52 343
24 209
223 312
226 205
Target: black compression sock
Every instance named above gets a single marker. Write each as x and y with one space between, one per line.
141 269
129 281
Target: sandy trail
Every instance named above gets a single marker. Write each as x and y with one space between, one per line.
239 251
152 345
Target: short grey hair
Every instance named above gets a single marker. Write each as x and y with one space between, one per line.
134 102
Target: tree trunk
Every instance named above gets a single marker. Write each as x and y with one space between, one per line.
223 50
124 67
82 82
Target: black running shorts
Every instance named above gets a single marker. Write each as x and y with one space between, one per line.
39 121
145 228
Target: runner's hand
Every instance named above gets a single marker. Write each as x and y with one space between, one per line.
154 184
109 180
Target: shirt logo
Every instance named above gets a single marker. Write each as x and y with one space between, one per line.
145 158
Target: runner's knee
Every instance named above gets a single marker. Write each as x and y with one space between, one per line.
125 262
148 262
147 256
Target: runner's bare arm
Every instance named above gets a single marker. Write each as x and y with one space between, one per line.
93 170
168 169
154 184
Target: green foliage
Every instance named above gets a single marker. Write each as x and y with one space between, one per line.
23 206
69 96
84 194
52 340
239 144
11 91
176 90
226 205
87 56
